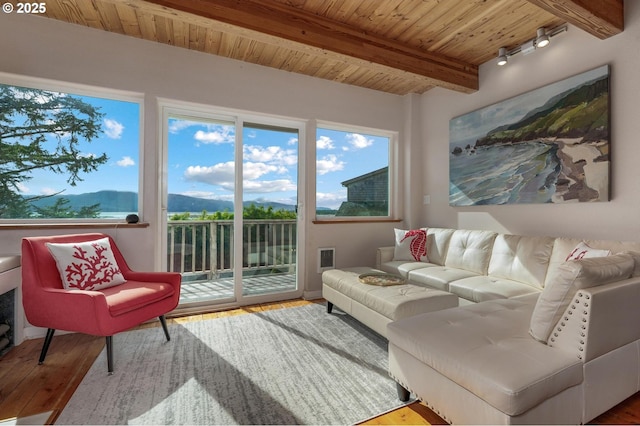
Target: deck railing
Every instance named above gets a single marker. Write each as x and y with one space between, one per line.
204 248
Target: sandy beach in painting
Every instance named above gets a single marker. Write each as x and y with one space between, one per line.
585 170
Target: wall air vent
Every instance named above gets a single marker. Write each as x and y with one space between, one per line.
326 259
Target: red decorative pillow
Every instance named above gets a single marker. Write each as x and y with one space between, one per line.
583 251
411 245
89 265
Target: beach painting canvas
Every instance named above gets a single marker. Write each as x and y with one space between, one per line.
550 145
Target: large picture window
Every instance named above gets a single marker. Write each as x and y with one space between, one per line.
67 155
352 173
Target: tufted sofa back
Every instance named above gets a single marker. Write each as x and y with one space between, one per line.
470 250
521 258
438 240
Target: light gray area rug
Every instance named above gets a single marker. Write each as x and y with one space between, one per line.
287 366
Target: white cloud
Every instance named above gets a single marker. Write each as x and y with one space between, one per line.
113 129
263 186
175 125
221 134
48 191
292 141
331 199
329 163
271 154
358 141
253 171
325 142
221 174
22 188
200 194
126 162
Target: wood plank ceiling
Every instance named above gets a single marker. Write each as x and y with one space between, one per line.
395 46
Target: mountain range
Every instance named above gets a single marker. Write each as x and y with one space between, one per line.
124 201
579 112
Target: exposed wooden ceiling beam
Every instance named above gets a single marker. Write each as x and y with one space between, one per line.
331 38
601 18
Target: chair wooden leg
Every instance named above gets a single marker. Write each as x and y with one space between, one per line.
110 354
163 321
45 346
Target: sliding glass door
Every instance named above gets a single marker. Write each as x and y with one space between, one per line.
231 197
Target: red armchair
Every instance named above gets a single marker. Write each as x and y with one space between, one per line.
103 312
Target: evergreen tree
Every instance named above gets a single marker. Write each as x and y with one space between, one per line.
62 210
29 119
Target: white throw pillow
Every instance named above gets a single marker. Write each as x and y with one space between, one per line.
583 251
88 265
565 282
411 245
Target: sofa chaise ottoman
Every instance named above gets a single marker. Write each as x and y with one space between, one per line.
376 306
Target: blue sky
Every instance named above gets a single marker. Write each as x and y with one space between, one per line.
201 162
201 154
119 140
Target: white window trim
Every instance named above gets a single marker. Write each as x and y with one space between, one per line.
96 92
393 170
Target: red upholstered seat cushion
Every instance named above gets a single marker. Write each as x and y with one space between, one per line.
133 295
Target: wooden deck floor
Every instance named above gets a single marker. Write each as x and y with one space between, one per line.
222 288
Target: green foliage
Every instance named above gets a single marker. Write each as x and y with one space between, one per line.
249 212
254 212
29 120
61 210
180 216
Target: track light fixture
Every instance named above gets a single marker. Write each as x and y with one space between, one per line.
542 39
502 56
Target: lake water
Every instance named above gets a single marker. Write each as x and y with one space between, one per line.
504 174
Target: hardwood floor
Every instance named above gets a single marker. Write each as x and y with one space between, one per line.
27 388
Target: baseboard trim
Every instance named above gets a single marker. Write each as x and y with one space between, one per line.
312 295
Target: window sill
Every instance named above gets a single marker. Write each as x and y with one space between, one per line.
336 221
72 225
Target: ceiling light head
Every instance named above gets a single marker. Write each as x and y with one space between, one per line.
502 56
542 39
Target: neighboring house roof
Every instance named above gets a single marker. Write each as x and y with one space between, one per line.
366 176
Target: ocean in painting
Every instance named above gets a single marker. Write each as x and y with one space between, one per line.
504 174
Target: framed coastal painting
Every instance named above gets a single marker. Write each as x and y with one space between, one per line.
550 145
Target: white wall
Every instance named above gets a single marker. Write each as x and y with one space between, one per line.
569 54
46 48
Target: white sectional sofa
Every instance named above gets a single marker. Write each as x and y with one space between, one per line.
536 339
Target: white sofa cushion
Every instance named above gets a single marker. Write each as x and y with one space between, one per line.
438 276
402 267
482 288
568 278
486 349
521 258
470 250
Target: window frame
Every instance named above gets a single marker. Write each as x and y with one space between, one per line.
393 137
51 85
